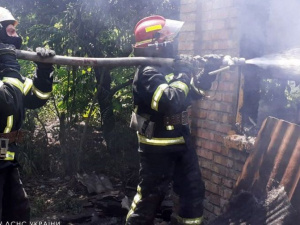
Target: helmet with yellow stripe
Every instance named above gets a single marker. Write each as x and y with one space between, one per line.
155 33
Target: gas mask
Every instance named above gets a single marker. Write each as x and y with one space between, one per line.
4 38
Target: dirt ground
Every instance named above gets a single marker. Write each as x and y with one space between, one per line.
86 198
67 201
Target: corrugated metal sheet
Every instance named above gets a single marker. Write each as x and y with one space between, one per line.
247 209
274 162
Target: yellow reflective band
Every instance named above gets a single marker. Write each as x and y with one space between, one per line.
180 85
195 221
27 85
161 141
157 95
40 94
170 127
14 81
152 28
9 123
136 199
1 83
169 77
9 156
143 42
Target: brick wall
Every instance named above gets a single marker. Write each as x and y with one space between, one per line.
212 26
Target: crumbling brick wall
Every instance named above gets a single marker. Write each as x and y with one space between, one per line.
212 26
239 28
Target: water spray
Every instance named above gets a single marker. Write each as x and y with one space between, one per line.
288 60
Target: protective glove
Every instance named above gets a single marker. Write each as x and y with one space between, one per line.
213 62
44 70
45 52
186 64
9 65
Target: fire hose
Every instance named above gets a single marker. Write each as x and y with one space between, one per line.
86 61
228 61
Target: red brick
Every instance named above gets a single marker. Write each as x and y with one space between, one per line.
207 6
205 134
225 151
206 104
208 206
227 193
223 128
238 166
202 114
216 178
211 145
198 143
206 164
240 156
211 187
189 27
222 107
220 34
206 16
218 24
205 153
187 8
188 37
224 161
217 210
229 97
207 35
214 199
228 86
206 174
186 46
233 174
219 138
189 17
218 168
228 183
219 14
208 25
223 202
207 124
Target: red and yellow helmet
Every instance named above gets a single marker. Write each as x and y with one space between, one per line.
152 29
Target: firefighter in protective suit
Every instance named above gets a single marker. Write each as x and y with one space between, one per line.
16 94
162 95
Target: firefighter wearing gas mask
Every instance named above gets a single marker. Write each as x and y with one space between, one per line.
16 94
162 95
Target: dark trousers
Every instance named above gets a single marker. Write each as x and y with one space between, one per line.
157 171
14 205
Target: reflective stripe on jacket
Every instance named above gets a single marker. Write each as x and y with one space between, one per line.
18 93
157 93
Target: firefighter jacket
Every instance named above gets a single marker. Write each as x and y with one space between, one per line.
159 93
16 94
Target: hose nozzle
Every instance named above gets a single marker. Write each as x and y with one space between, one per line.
229 62
233 61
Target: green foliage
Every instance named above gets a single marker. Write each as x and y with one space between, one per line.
279 98
85 29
